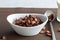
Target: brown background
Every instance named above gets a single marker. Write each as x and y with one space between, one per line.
5 28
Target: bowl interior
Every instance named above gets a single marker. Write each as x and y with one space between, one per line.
13 17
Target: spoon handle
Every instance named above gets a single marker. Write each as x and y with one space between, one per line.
53 34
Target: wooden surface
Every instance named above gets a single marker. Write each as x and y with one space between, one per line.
6 29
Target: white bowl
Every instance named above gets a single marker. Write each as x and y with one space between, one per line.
27 31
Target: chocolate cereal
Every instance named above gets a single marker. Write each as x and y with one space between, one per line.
28 21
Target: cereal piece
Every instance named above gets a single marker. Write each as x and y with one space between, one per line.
33 22
29 21
44 28
23 21
33 16
50 17
3 38
48 33
43 31
58 30
36 19
25 18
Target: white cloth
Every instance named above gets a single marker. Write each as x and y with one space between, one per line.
28 3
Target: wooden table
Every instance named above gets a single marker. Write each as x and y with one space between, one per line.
6 29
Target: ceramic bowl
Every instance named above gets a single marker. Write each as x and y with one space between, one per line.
27 31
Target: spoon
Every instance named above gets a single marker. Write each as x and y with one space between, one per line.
48 13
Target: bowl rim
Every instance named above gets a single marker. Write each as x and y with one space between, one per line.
28 14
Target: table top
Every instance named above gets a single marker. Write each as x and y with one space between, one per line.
6 29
